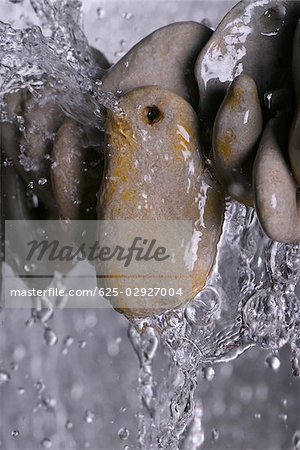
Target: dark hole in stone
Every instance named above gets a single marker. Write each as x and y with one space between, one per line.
153 114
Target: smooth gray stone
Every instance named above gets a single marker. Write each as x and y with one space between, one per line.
76 171
165 58
237 128
294 146
274 186
254 38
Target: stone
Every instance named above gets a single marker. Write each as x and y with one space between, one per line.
236 131
294 146
29 149
164 58
155 171
42 120
76 172
274 186
254 38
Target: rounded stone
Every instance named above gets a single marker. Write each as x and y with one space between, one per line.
236 131
254 38
40 124
165 58
274 186
155 171
294 146
76 172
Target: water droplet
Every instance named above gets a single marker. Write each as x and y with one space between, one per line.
50 337
283 417
15 433
208 373
43 313
273 362
215 434
25 161
40 387
295 366
119 53
21 122
203 308
7 162
268 315
68 341
46 443
296 440
29 322
91 320
29 268
14 366
69 425
272 20
82 344
100 13
42 181
123 434
127 15
89 416
4 377
49 402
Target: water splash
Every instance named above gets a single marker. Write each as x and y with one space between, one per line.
48 65
249 300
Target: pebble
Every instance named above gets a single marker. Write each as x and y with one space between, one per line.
76 173
252 39
156 172
164 58
274 186
236 131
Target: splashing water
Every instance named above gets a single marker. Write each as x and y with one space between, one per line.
31 60
249 300
250 297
